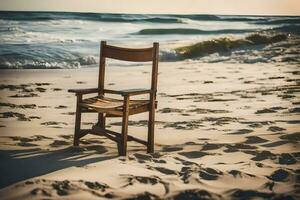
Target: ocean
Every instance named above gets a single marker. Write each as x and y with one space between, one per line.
71 40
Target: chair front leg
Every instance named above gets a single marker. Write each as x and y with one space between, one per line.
123 141
77 121
101 120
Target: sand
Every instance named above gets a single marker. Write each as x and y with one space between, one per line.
223 131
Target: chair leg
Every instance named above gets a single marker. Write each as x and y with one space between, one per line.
77 121
123 142
151 121
101 120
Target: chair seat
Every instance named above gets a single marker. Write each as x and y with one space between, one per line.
114 107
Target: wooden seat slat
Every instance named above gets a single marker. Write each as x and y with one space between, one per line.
111 105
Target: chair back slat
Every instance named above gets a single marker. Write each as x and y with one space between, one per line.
126 54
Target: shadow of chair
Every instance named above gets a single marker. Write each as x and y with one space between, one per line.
19 165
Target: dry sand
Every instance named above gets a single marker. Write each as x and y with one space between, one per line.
223 131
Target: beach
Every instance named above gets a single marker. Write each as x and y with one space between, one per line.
222 131
227 121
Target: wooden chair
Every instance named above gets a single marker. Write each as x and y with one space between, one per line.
110 107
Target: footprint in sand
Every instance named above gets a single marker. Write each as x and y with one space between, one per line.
255 140
240 174
96 185
265 110
161 161
210 146
292 121
210 174
291 137
193 154
26 141
144 195
257 124
54 124
276 129
195 194
235 173
23 106
19 116
41 192
56 89
279 175
170 110
269 185
40 89
238 147
151 180
203 173
64 188
30 139
262 155
166 171
249 194
142 158
294 110
186 173
286 159
171 148
241 131
41 84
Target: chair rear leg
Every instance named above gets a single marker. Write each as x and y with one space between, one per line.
151 121
77 121
123 141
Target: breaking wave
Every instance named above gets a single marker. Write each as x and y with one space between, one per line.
224 44
36 56
43 64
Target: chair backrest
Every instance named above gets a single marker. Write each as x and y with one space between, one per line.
126 54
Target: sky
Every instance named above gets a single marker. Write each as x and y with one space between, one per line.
227 7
